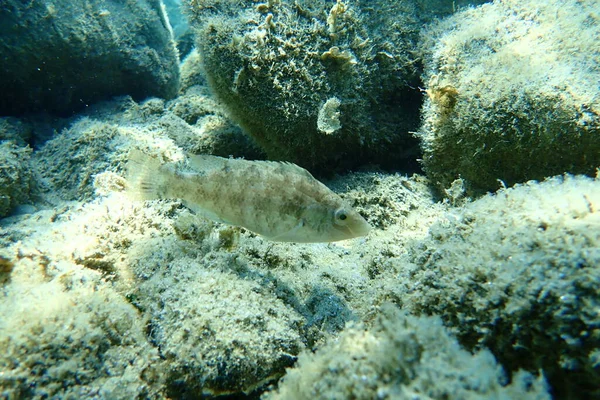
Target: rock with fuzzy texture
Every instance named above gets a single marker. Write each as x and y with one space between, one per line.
518 272
275 65
197 328
17 131
15 177
401 357
97 142
509 94
221 335
59 56
65 334
67 163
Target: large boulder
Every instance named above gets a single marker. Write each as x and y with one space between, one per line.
402 357
15 177
325 85
61 55
518 272
512 94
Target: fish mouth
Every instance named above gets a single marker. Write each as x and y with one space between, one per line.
361 229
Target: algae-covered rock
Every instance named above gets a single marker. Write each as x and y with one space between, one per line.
192 72
512 94
219 334
435 9
61 55
276 65
67 164
17 131
215 332
15 176
518 272
67 335
99 142
402 357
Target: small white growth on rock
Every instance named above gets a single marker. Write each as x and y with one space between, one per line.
328 120
338 9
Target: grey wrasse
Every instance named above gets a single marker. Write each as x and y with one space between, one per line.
277 200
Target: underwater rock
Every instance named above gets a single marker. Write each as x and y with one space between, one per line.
15 177
66 334
212 332
68 163
59 56
509 94
401 357
218 333
97 141
15 130
436 9
192 73
518 272
276 64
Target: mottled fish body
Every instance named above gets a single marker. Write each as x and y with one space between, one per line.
280 201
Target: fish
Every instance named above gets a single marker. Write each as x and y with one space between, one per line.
279 201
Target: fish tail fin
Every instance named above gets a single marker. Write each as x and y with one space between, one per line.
144 176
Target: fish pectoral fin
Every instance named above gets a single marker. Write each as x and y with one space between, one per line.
287 236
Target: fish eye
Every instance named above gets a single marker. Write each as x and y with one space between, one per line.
340 215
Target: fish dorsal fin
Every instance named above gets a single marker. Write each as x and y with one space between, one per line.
285 166
296 169
206 163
